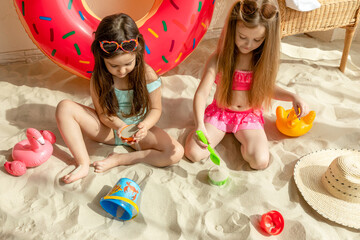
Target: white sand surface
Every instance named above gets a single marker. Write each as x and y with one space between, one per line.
177 202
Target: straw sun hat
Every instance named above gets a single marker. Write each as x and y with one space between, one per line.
329 180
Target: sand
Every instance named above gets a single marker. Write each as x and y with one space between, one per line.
177 202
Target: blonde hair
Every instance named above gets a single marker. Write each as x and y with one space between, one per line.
265 58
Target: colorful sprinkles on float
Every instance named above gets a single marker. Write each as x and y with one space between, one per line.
63 31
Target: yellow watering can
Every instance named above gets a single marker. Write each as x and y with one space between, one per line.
289 124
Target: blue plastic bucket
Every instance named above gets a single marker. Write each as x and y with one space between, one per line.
120 202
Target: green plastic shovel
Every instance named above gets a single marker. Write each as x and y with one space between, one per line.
215 158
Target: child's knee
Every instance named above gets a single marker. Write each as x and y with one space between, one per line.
259 161
172 153
260 165
177 153
191 151
189 155
257 157
192 154
62 108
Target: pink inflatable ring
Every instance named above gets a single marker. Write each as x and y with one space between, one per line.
63 31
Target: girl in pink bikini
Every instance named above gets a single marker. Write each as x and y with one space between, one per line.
244 68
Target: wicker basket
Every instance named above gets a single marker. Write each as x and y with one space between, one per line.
332 14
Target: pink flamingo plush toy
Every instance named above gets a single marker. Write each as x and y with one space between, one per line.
31 152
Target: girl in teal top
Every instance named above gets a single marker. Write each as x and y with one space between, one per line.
125 90
124 98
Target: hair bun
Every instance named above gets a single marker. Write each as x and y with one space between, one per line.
268 10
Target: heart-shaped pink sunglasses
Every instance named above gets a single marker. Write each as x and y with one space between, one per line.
112 46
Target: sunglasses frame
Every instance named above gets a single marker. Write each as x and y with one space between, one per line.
119 45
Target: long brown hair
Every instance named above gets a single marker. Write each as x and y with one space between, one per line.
265 58
119 27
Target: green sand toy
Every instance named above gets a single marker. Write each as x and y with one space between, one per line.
218 176
215 158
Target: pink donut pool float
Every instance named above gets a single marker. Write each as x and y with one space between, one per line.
63 31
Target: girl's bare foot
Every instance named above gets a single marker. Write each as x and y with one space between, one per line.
111 161
79 172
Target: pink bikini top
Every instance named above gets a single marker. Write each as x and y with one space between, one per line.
241 81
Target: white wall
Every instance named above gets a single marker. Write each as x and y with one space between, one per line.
13 36
15 45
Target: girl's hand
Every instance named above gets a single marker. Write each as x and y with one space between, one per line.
198 141
300 107
142 133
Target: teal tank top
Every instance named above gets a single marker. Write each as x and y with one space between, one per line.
124 98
